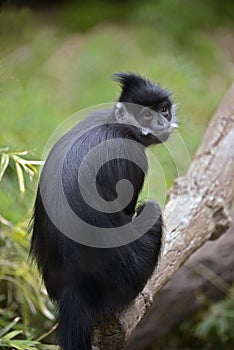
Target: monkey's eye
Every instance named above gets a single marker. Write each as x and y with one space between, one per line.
163 109
148 114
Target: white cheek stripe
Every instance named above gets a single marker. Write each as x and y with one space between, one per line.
145 131
174 125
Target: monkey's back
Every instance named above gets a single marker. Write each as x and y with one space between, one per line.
107 278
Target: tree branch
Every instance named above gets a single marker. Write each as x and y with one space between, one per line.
198 210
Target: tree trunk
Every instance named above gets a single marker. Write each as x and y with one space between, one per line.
198 210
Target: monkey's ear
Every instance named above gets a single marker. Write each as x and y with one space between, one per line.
121 112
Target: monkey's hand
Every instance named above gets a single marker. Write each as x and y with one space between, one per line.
151 206
148 218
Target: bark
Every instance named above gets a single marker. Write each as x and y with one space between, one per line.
197 210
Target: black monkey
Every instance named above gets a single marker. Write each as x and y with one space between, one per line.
91 281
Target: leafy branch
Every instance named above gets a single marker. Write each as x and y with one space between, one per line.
21 164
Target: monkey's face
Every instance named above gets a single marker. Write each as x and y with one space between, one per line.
157 121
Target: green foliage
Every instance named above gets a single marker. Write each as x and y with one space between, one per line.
15 27
9 339
218 322
182 17
16 161
79 16
176 18
208 329
23 299
21 165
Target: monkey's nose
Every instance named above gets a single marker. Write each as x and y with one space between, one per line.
160 122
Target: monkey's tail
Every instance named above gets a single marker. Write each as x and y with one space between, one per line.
75 323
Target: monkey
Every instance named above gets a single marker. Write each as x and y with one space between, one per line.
101 267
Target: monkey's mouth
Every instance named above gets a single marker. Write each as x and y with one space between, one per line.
158 133
157 137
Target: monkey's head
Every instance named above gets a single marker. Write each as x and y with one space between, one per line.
146 106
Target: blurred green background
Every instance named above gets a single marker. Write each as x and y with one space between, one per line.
57 58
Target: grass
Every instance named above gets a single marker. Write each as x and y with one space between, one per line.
49 71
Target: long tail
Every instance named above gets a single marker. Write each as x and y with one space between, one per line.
75 323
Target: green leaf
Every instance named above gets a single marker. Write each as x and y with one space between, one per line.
9 326
4 149
20 178
12 334
20 153
48 347
23 344
4 164
35 162
26 168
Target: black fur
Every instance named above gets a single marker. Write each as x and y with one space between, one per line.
88 283
139 90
